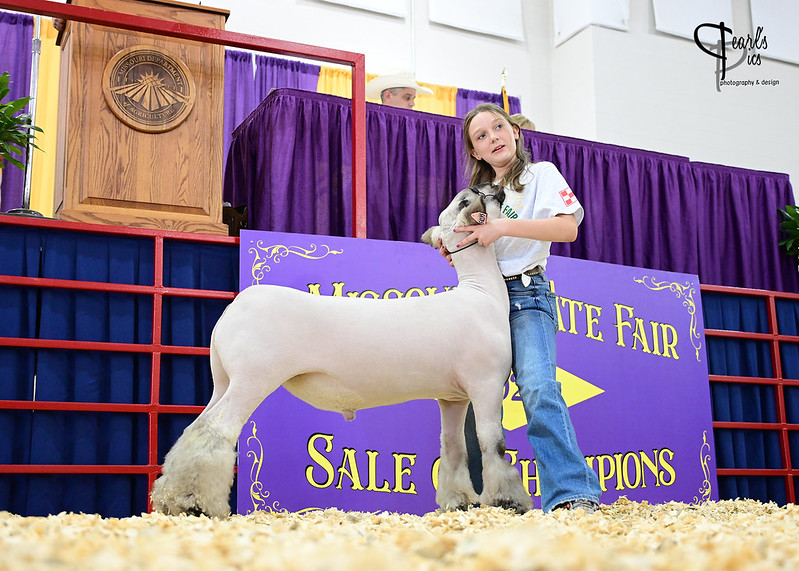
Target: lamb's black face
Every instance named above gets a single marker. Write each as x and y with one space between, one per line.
484 198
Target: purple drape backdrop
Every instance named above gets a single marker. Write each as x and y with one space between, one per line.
639 205
239 93
291 162
466 99
738 225
250 77
16 44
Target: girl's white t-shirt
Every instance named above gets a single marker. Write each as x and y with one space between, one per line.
546 194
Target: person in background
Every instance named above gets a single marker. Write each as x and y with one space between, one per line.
539 208
396 89
522 122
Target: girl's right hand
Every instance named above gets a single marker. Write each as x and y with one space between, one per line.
444 252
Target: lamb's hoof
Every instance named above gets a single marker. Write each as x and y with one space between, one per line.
460 503
166 500
189 505
453 508
517 507
192 505
194 511
455 500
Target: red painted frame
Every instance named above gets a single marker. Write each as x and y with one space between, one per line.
155 348
788 472
244 41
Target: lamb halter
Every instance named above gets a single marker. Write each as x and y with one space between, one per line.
498 196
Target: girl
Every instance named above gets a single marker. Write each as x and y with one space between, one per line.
539 208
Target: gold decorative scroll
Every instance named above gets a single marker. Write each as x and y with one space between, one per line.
704 457
258 495
274 254
686 292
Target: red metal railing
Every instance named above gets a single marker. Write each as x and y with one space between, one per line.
245 41
778 381
155 348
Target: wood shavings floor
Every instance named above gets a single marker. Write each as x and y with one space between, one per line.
741 534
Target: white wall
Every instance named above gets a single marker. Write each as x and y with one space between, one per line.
638 88
658 92
443 55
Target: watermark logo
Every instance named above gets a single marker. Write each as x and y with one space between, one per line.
731 51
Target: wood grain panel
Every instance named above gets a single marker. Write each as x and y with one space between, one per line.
120 175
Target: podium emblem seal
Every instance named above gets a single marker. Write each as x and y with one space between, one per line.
148 89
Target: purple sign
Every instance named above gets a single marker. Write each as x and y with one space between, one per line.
631 362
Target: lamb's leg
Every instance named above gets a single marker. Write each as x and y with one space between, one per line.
218 374
455 490
198 470
502 485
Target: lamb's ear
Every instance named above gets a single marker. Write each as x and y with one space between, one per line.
432 236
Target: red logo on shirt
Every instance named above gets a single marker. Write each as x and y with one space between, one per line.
568 196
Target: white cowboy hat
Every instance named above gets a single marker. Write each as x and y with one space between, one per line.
398 78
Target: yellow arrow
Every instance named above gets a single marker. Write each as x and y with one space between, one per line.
573 388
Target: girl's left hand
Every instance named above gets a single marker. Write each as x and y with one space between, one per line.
484 234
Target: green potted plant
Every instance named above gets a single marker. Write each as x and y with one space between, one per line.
790 227
16 128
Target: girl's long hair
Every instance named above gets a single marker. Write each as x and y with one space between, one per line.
481 171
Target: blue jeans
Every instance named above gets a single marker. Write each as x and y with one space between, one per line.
563 474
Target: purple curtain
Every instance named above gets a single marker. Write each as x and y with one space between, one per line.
665 212
290 162
413 166
640 207
738 225
239 92
466 99
273 73
16 45
250 77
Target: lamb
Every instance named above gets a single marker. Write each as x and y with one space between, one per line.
452 346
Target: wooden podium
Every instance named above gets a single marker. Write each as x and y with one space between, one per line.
140 122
